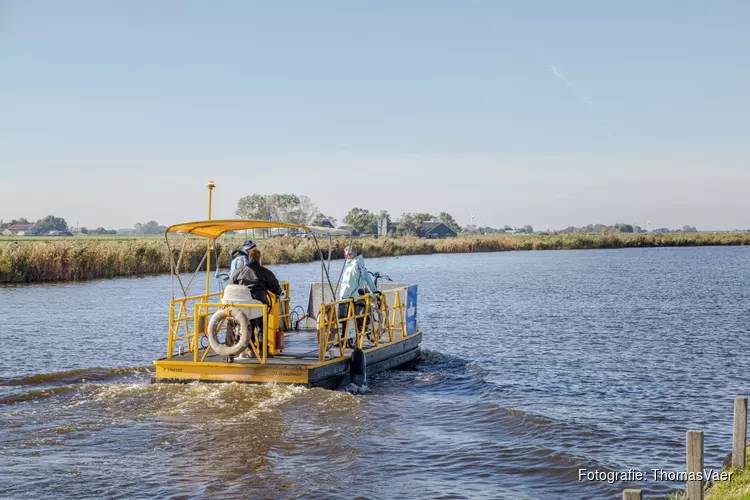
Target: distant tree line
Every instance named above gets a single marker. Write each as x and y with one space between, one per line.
362 221
44 225
683 229
52 223
527 229
301 210
621 227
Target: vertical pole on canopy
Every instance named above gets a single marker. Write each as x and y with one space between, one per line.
211 186
330 250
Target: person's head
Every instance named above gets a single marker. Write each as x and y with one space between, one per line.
254 255
248 245
350 252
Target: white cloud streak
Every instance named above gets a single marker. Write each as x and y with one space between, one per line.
570 84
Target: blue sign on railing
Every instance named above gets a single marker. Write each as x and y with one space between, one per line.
411 309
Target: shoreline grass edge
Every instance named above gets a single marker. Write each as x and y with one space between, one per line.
85 259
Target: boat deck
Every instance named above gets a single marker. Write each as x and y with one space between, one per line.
298 364
300 348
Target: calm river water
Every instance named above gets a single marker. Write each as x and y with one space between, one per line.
536 364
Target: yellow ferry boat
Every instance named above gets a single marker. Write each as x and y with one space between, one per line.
210 338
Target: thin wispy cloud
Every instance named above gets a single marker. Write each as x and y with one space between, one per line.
570 84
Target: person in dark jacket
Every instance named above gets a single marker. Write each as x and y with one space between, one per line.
259 280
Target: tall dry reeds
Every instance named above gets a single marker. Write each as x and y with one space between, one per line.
71 259
89 259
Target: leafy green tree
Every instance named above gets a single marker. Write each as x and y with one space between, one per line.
282 205
301 213
362 221
449 221
84 230
277 207
50 223
153 227
422 217
689 229
407 225
528 229
321 218
254 206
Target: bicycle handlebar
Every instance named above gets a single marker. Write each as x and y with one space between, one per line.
377 275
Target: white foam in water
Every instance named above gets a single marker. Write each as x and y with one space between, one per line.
356 389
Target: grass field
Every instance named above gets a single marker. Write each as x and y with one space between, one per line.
38 259
4 240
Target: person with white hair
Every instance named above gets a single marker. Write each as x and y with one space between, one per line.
353 281
240 256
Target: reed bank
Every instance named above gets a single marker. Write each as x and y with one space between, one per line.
80 258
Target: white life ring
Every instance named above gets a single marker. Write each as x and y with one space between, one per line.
213 333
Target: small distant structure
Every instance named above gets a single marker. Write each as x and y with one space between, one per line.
327 223
21 230
382 227
126 232
434 229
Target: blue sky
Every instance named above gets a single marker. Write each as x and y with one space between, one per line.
539 112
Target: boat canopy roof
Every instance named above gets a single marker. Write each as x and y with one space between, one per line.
215 228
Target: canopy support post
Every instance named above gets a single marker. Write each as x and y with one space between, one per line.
211 186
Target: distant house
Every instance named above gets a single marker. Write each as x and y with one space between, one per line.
326 223
436 230
126 232
21 230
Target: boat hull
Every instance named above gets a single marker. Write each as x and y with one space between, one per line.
280 370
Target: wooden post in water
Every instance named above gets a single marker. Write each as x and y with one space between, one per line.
739 438
694 464
632 494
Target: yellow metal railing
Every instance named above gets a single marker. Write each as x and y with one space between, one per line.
391 320
285 310
188 325
179 319
330 331
382 316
